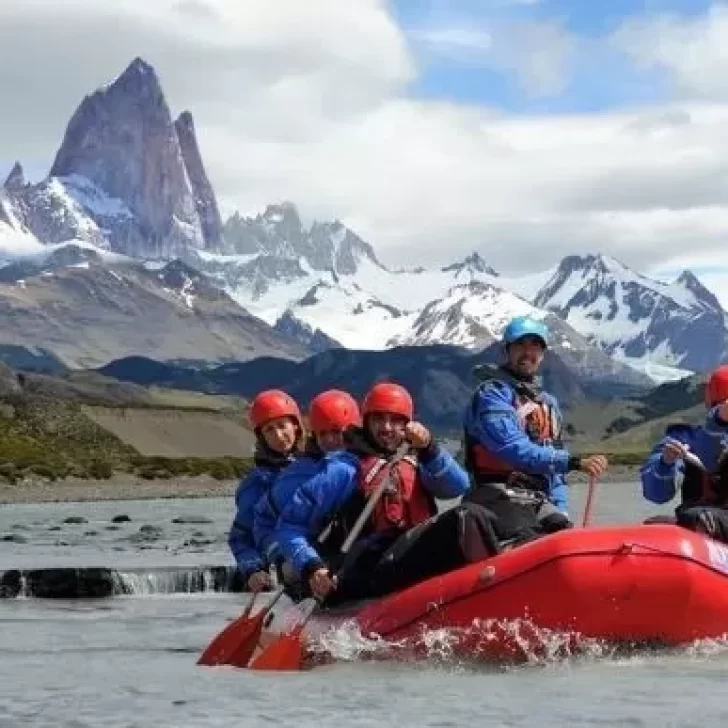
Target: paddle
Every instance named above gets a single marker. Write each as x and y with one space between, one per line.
287 652
236 644
589 501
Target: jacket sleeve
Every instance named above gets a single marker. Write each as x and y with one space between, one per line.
240 538
491 420
265 516
309 510
442 475
659 480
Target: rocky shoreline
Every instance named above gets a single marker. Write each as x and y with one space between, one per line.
130 487
119 487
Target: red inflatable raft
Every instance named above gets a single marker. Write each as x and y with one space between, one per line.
656 584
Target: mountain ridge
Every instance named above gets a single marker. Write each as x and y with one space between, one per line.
128 183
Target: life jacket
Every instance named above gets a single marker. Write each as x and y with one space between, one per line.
537 418
404 504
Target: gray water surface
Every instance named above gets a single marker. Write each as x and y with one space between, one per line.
130 661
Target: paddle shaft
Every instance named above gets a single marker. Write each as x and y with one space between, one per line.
360 522
371 503
589 501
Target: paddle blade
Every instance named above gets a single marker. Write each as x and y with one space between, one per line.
235 639
286 653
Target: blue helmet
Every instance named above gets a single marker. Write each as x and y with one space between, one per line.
522 326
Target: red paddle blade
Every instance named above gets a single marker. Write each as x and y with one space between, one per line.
286 653
235 638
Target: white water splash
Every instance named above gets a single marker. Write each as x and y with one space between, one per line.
182 581
481 643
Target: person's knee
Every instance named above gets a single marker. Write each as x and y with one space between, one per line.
554 522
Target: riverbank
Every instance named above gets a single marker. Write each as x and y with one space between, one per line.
118 487
131 487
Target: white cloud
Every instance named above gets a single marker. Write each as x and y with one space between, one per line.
539 54
309 102
693 51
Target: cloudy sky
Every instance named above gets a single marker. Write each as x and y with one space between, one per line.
525 129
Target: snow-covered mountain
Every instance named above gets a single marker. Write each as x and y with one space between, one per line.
128 184
635 318
127 177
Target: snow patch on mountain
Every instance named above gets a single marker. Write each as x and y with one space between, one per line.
638 319
471 315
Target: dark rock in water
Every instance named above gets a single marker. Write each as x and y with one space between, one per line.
11 583
122 518
68 583
156 531
147 533
15 538
91 533
75 519
192 519
196 541
179 702
54 528
112 528
19 527
82 583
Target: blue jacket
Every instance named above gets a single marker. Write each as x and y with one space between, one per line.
659 483
319 498
250 490
491 421
268 509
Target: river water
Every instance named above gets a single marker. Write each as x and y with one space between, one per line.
129 661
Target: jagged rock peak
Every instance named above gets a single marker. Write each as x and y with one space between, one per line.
202 191
282 213
138 75
16 178
692 283
474 263
123 139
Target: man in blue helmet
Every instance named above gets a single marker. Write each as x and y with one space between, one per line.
512 439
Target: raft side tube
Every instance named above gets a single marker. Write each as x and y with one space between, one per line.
641 583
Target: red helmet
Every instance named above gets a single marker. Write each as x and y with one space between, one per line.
716 390
270 405
333 410
389 397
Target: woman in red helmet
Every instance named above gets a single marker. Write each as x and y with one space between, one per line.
330 414
276 421
703 493
404 540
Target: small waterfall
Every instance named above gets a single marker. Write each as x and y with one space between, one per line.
177 581
94 582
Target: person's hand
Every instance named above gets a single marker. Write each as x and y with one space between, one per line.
417 435
594 465
259 581
672 450
321 583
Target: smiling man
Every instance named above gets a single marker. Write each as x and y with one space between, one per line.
513 445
